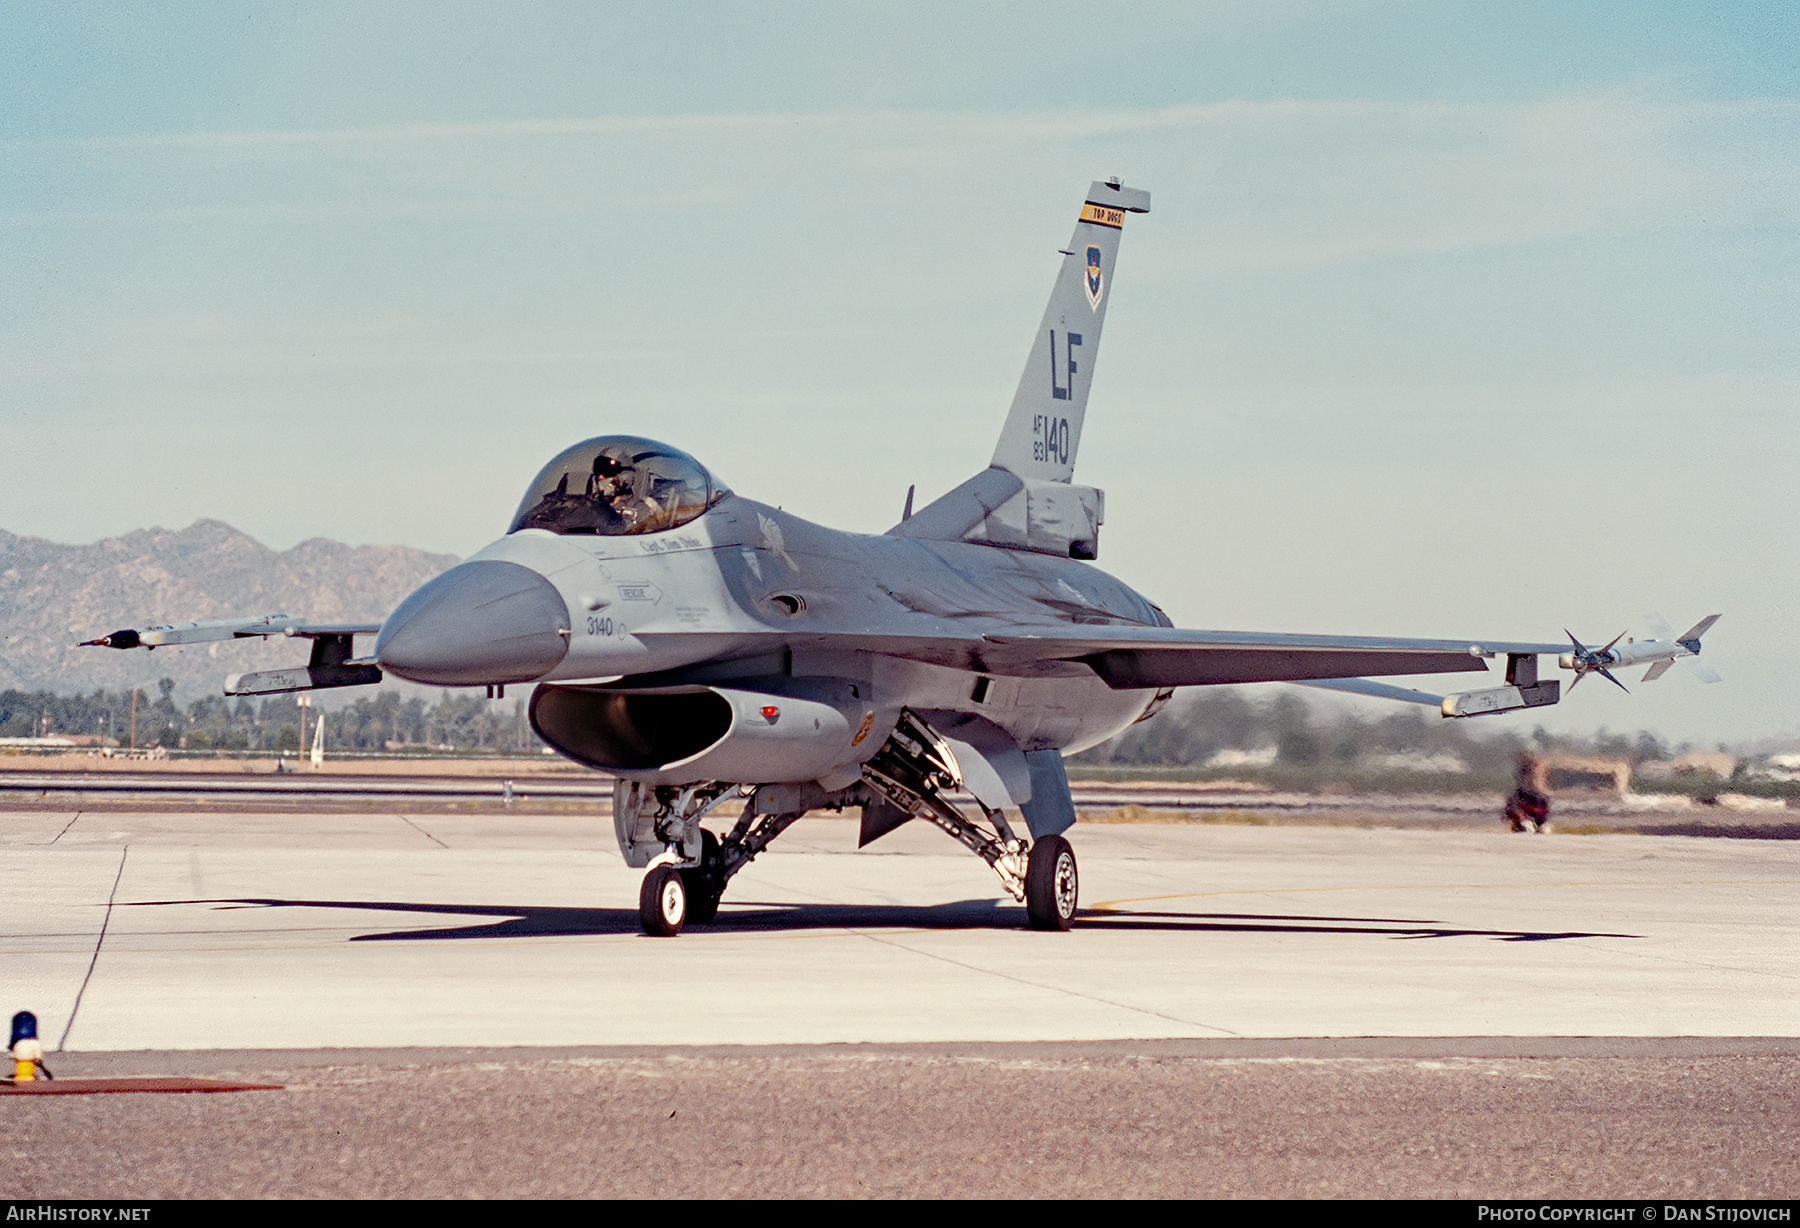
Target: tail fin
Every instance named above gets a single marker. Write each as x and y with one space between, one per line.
1690 640
1043 429
1694 632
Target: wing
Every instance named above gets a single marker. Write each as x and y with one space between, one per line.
331 665
226 629
1134 657
1142 657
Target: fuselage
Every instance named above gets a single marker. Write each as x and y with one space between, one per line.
749 591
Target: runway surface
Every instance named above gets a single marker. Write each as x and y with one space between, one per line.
292 931
462 1004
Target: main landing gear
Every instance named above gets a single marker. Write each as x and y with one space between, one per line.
905 779
911 772
1051 884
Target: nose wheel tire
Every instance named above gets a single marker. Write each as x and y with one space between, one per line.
1051 884
663 902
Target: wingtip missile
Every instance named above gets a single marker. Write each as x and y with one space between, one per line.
1658 652
116 639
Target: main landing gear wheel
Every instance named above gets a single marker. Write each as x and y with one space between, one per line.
663 902
1051 884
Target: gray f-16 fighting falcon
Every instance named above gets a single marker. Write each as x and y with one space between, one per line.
705 647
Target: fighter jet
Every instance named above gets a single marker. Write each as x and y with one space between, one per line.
705 648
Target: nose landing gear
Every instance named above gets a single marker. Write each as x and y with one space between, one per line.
701 882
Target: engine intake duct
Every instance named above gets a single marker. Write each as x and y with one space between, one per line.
761 731
626 731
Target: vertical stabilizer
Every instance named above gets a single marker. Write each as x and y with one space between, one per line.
1043 430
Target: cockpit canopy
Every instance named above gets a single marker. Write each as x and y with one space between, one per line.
617 486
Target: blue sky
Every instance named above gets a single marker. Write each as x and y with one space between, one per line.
1449 319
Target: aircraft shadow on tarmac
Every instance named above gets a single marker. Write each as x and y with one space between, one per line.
535 921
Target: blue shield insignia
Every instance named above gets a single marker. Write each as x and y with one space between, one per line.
1096 280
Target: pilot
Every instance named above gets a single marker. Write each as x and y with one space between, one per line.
615 485
608 475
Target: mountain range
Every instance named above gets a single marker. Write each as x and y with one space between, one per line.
53 595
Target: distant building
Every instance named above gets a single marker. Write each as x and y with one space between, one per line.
1573 776
1692 764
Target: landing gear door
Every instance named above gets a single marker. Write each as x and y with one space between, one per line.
634 823
993 768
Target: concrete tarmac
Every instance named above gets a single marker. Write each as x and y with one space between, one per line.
292 931
463 1004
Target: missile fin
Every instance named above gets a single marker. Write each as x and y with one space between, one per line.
1701 669
1700 628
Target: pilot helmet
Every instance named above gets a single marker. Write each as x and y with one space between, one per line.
612 473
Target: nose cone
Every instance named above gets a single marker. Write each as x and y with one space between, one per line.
481 622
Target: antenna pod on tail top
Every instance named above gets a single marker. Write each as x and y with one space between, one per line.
1043 429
